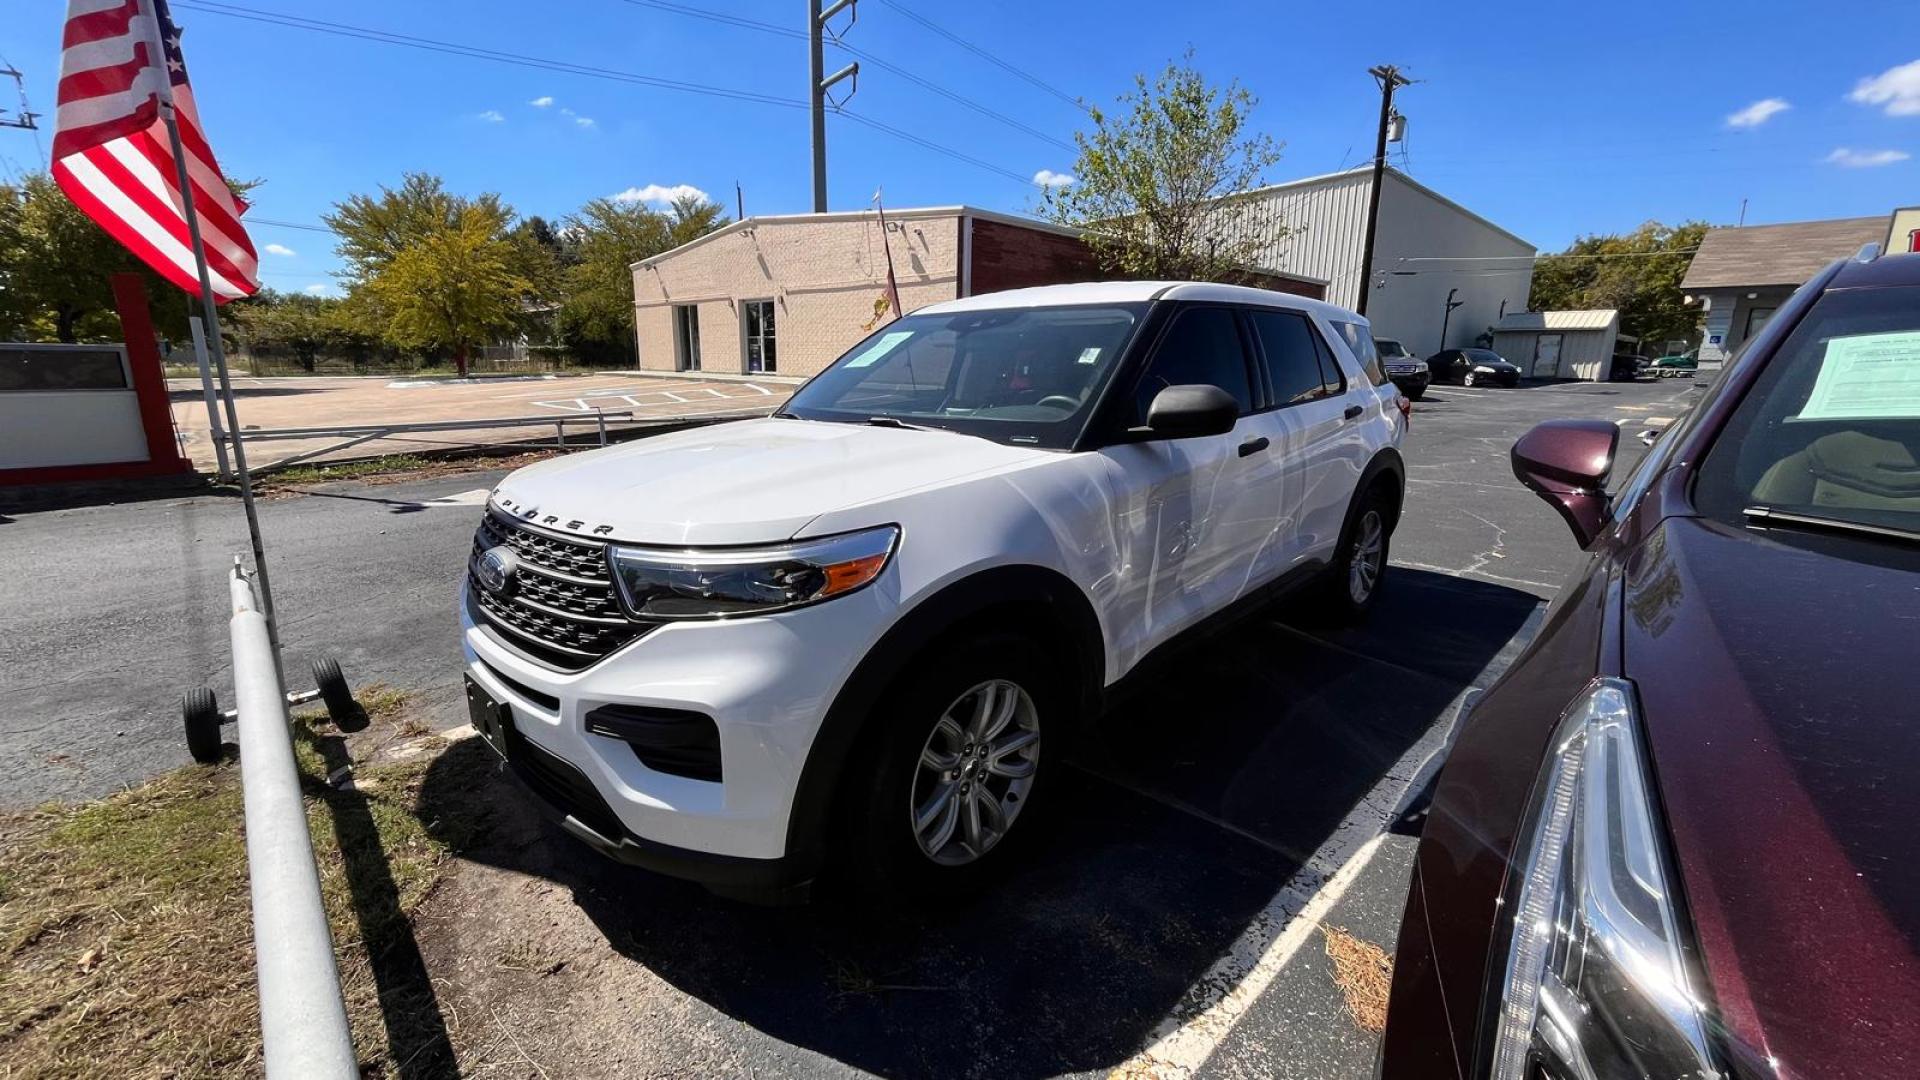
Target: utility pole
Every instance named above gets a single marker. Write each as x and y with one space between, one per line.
817 85
1390 79
1447 319
25 121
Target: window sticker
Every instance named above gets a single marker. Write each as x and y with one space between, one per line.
1090 355
1869 375
879 349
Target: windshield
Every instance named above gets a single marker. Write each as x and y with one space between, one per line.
1485 356
1017 375
1832 427
1390 349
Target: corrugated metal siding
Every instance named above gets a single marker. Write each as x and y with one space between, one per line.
1326 229
1415 225
1584 354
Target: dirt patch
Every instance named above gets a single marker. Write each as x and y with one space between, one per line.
125 943
394 469
1364 973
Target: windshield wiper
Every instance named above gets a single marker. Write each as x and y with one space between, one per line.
896 422
1770 517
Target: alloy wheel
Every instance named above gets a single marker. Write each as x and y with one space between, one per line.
1364 562
975 773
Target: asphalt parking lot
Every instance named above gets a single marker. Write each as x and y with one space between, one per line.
1175 923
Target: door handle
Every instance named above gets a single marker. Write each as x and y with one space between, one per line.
1353 411
1253 446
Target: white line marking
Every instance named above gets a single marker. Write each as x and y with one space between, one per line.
1196 1027
476 497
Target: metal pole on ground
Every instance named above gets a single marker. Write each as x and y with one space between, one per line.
210 310
214 427
303 1022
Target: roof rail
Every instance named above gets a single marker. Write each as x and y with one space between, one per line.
1867 253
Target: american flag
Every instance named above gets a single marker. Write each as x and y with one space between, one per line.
112 156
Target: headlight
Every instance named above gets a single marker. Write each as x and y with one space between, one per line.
657 583
1597 985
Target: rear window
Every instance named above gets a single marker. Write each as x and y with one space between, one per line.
1831 428
1360 340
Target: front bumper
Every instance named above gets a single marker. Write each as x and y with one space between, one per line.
766 682
1411 382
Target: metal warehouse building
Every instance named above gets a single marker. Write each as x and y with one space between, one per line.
1428 250
786 295
1560 344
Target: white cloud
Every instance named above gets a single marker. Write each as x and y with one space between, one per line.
318 288
660 195
1848 158
1758 113
564 111
492 116
1049 178
583 121
278 249
1896 89
542 101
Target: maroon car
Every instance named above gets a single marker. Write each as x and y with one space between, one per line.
1680 837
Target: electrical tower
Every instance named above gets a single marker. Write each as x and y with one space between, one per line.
25 119
818 84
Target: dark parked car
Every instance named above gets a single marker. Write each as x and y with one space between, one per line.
1407 371
1680 837
1626 367
1472 367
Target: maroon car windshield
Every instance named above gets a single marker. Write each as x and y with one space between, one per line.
1828 439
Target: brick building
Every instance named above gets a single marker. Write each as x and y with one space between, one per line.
786 295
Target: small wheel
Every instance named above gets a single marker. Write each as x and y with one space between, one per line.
1467 379
967 748
341 708
201 712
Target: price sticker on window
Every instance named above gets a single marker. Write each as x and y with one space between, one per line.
1867 376
875 352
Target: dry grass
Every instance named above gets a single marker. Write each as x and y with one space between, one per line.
125 940
393 468
1364 973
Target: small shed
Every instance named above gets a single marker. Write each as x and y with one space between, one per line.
1559 344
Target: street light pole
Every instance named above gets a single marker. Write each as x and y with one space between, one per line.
1390 79
1448 317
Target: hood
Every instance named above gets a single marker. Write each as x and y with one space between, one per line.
747 482
1781 691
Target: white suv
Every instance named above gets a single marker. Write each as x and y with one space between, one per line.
861 631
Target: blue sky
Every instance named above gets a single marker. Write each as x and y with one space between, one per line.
1550 119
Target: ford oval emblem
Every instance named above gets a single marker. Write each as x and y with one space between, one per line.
495 569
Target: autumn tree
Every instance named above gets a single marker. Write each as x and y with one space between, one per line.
1153 181
1637 273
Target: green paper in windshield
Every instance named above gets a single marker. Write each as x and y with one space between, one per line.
1870 375
887 343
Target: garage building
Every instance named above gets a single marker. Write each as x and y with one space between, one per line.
786 295
1559 344
1428 251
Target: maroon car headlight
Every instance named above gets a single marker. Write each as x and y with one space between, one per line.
1597 983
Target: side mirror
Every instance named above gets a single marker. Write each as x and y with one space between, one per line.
1566 462
1190 411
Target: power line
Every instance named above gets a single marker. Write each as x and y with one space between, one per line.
1549 255
985 55
474 52
884 65
565 67
287 225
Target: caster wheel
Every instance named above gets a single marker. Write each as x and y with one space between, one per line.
200 710
341 708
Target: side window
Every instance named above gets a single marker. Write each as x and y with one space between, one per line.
1292 356
1360 340
1202 346
1335 380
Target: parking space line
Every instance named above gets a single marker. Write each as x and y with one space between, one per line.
1183 1042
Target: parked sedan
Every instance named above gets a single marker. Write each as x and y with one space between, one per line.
1473 367
1676 839
1407 371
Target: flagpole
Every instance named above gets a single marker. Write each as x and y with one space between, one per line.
211 313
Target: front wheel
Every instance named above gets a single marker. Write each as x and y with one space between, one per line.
1467 379
963 756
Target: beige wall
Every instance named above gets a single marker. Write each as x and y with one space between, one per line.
823 277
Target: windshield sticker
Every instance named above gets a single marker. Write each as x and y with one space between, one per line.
1870 375
1090 355
877 350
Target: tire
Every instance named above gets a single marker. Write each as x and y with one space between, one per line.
1364 542
200 712
332 684
1417 394
928 713
1467 379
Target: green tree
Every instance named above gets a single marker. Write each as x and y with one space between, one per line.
1153 181
596 315
455 288
293 323
1617 271
54 265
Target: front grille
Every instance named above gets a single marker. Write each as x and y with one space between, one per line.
562 610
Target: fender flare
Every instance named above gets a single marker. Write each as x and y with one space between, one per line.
1067 618
1386 462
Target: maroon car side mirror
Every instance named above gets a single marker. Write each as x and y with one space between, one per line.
1566 462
